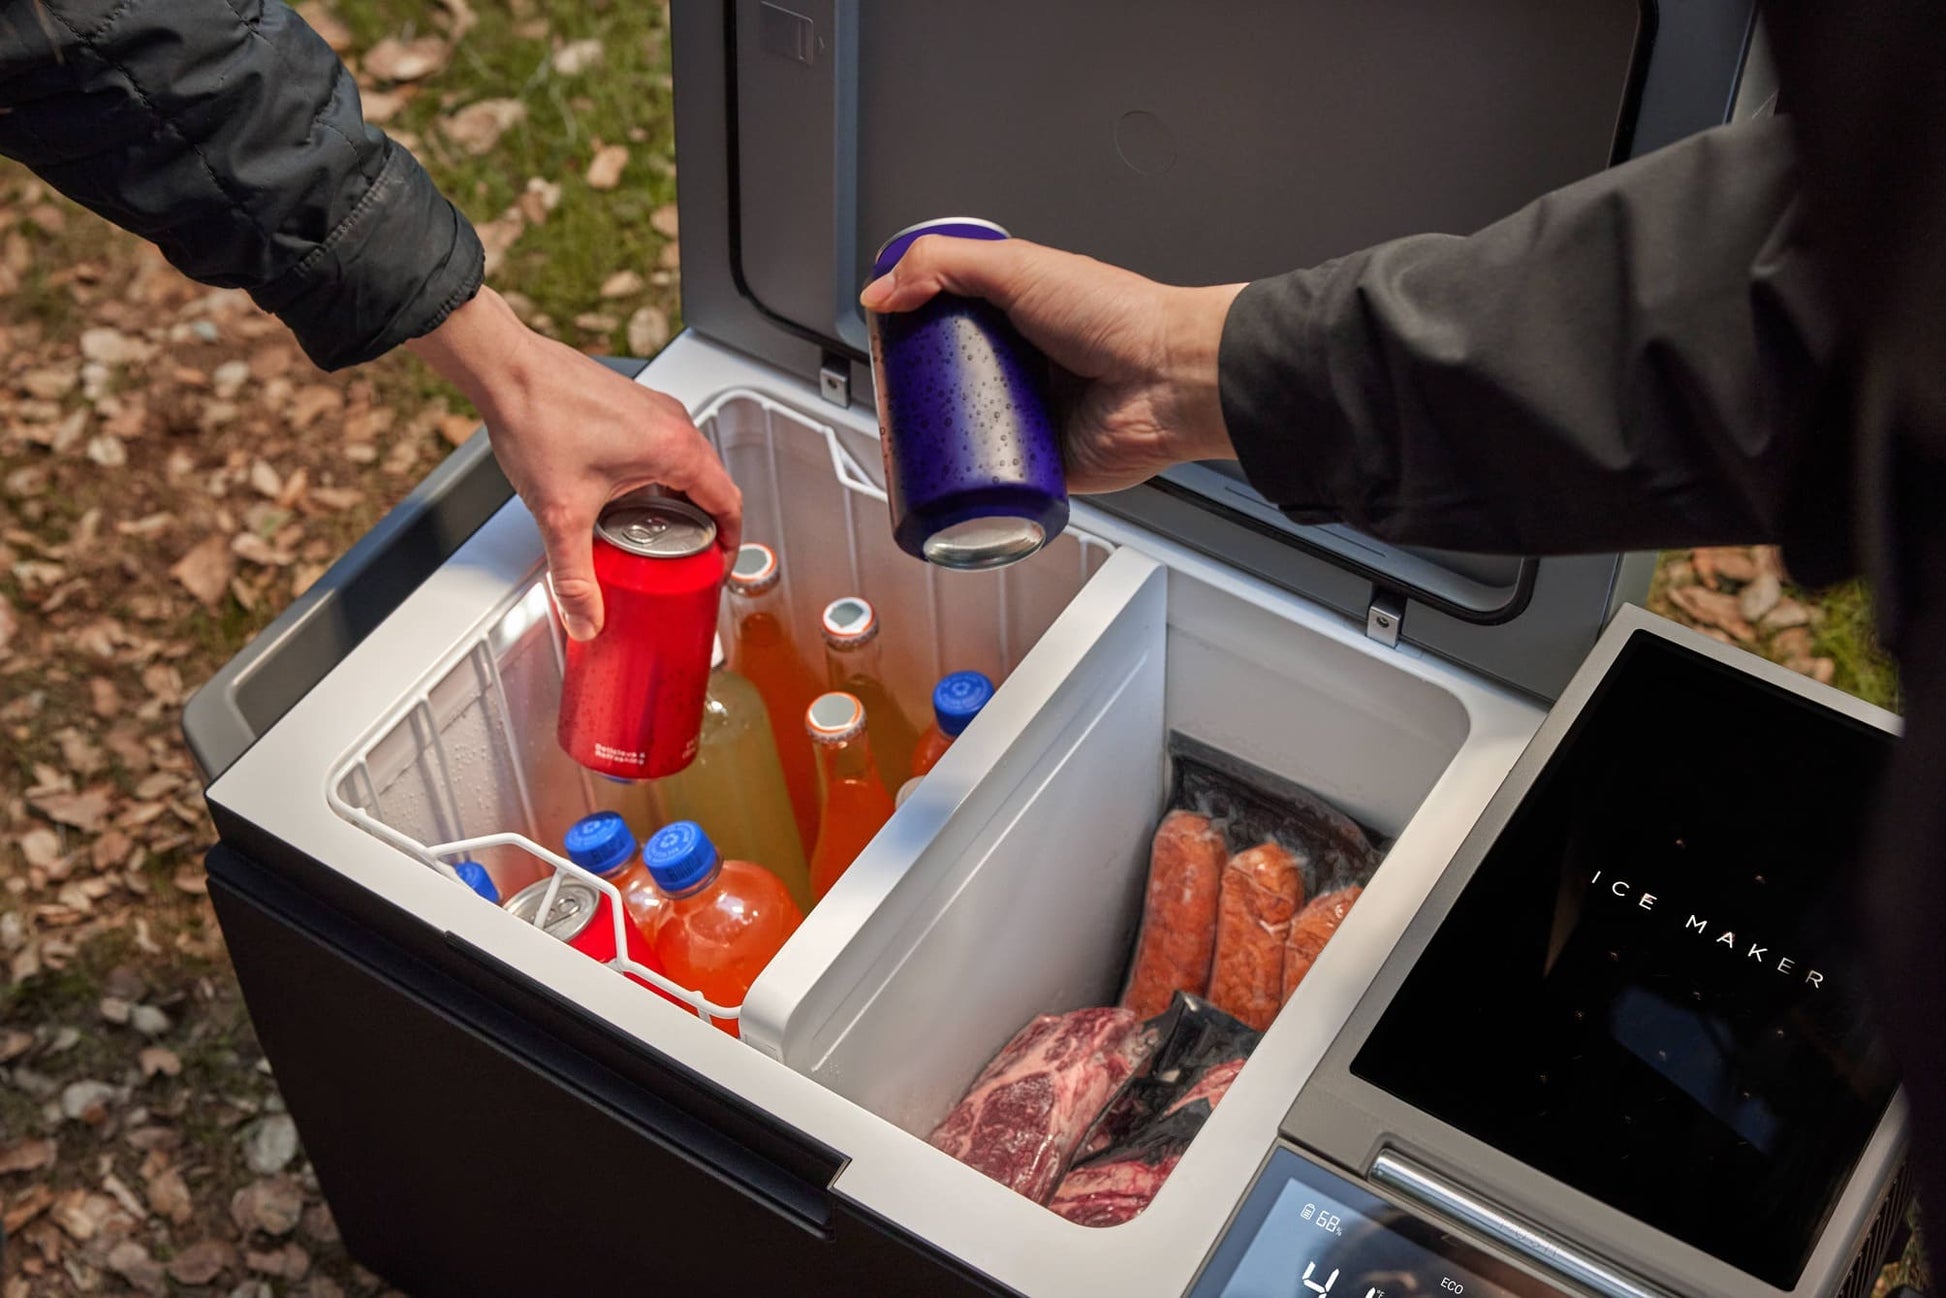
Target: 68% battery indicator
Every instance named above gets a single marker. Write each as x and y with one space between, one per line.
1325 1221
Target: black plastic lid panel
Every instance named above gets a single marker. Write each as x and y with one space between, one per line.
1196 144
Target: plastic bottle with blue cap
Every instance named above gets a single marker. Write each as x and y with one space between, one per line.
956 700
603 844
722 921
475 876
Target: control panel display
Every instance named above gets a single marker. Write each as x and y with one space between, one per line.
1305 1232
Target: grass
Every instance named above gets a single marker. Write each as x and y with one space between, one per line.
1848 639
625 99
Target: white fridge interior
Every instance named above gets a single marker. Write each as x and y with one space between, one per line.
1009 886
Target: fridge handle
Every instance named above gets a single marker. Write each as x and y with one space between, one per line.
281 664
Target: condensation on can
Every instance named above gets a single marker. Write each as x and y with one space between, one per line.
973 471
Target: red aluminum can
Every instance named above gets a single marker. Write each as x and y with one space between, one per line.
583 916
632 698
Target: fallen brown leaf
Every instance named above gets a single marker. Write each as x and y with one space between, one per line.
85 811
327 24
1760 596
1732 563
664 221
576 57
538 199
478 127
205 571
605 169
14 1043
395 60
202 1262
159 1061
457 428
648 331
168 1195
9 624
79 753
1786 615
1714 609
498 235
29 1204
623 283
28 1155
41 847
595 322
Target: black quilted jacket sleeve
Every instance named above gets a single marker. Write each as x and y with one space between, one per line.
229 134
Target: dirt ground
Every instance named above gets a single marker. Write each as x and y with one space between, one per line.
172 473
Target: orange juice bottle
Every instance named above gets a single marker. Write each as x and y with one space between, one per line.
853 665
602 844
856 805
956 700
735 786
722 920
762 651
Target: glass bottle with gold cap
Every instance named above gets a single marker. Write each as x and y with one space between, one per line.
764 652
854 665
855 803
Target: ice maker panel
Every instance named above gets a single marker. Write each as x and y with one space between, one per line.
1650 990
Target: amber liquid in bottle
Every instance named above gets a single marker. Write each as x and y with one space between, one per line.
855 805
854 664
763 651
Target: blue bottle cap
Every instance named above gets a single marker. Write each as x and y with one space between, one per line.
474 876
679 856
600 842
958 698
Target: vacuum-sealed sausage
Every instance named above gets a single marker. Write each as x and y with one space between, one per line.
1261 892
1311 929
1179 918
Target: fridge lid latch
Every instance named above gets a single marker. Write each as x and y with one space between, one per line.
1383 617
834 379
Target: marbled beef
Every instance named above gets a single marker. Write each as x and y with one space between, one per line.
1021 1119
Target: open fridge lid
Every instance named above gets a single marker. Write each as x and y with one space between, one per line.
1196 147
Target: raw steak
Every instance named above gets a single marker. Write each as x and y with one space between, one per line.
1021 1119
1119 1183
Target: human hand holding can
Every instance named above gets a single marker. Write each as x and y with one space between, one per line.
632 697
973 466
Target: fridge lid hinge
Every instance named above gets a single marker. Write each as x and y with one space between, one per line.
1384 616
834 379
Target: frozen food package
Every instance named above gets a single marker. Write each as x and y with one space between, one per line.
1262 889
1313 927
1026 1113
1178 937
1139 1138
1250 806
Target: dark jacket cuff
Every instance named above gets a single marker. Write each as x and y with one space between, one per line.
402 261
1273 377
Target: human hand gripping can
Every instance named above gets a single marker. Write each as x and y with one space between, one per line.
632 697
972 460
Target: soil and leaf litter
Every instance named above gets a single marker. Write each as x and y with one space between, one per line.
173 472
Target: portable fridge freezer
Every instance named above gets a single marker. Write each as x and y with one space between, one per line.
490 1112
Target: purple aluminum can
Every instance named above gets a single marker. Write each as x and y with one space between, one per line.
972 460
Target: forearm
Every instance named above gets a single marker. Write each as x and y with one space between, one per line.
1624 364
231 136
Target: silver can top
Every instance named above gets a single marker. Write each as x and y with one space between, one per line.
575 905
656 527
